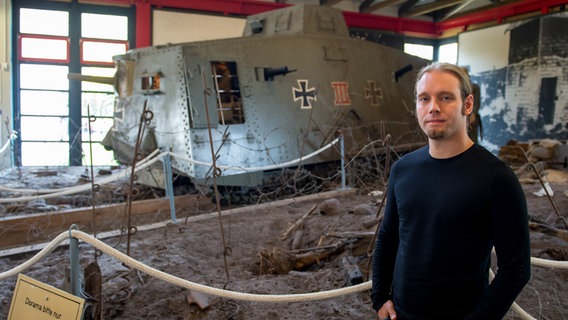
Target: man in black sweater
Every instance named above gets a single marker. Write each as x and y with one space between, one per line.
448 204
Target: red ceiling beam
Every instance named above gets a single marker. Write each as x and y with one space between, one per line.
248 7
398 25
353 19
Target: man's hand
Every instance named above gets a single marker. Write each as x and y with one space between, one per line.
387 312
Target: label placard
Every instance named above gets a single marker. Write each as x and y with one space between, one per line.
34 300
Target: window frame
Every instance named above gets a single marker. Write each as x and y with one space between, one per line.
233 107
74 61
21 37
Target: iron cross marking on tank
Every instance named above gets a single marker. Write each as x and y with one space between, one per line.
304 94
372 92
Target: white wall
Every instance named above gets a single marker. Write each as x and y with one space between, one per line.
5 76
484 49
177 27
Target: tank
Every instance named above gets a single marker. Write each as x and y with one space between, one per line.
291 85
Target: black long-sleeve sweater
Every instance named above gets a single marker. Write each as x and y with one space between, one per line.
442 218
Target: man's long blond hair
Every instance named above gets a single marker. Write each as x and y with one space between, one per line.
459 72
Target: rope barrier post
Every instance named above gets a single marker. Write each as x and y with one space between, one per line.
74 261
169 185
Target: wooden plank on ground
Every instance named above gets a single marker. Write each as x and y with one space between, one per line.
36 228
184 216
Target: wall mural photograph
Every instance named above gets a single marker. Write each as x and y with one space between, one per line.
525 95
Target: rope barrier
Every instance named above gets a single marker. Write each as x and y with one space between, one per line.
279 298
127 260
549 263
263 168
515 307
521 312
149 160
122 174
80 188
37 257
103 247
8 142
211 290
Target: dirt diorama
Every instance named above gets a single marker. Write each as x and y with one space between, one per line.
294 247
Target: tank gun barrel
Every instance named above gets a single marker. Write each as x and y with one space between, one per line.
270 73
97 79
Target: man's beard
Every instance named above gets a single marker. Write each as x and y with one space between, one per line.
440 134
436 134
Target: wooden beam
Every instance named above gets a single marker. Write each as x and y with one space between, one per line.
551 231
406 6
379 5
36 228
329 3
364 6
457 9
190 217
430 7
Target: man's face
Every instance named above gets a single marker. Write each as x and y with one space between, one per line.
441 112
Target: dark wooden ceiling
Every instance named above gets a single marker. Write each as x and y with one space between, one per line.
432 10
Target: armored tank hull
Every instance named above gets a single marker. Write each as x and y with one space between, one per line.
290 86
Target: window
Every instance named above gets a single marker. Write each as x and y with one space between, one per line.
46 22
229 104
423 51
59 115
104 26
37 48
101 52
448 53
151 83
44 114
97 109
102 37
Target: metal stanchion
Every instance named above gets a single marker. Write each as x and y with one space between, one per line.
169 185
75 265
